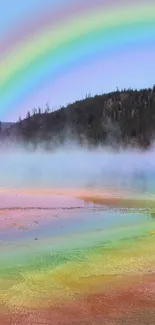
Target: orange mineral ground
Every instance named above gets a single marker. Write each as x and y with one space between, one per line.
74 196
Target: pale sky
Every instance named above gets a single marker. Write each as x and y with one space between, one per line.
135 68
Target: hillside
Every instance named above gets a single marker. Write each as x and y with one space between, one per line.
120 117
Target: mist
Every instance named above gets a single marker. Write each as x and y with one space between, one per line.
71 166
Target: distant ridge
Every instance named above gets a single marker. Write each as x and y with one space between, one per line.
5 125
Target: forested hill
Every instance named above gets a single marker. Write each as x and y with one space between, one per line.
122 117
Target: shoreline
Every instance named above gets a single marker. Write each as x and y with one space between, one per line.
73 197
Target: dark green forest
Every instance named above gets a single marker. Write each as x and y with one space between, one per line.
125 117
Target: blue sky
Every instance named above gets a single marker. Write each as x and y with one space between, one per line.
133 68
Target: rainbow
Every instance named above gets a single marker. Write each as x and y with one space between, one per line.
64 38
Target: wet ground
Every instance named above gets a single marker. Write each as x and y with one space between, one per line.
65 261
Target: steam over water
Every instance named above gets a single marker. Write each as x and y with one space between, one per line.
50 242
75 167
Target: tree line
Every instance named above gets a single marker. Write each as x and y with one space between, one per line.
120 117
